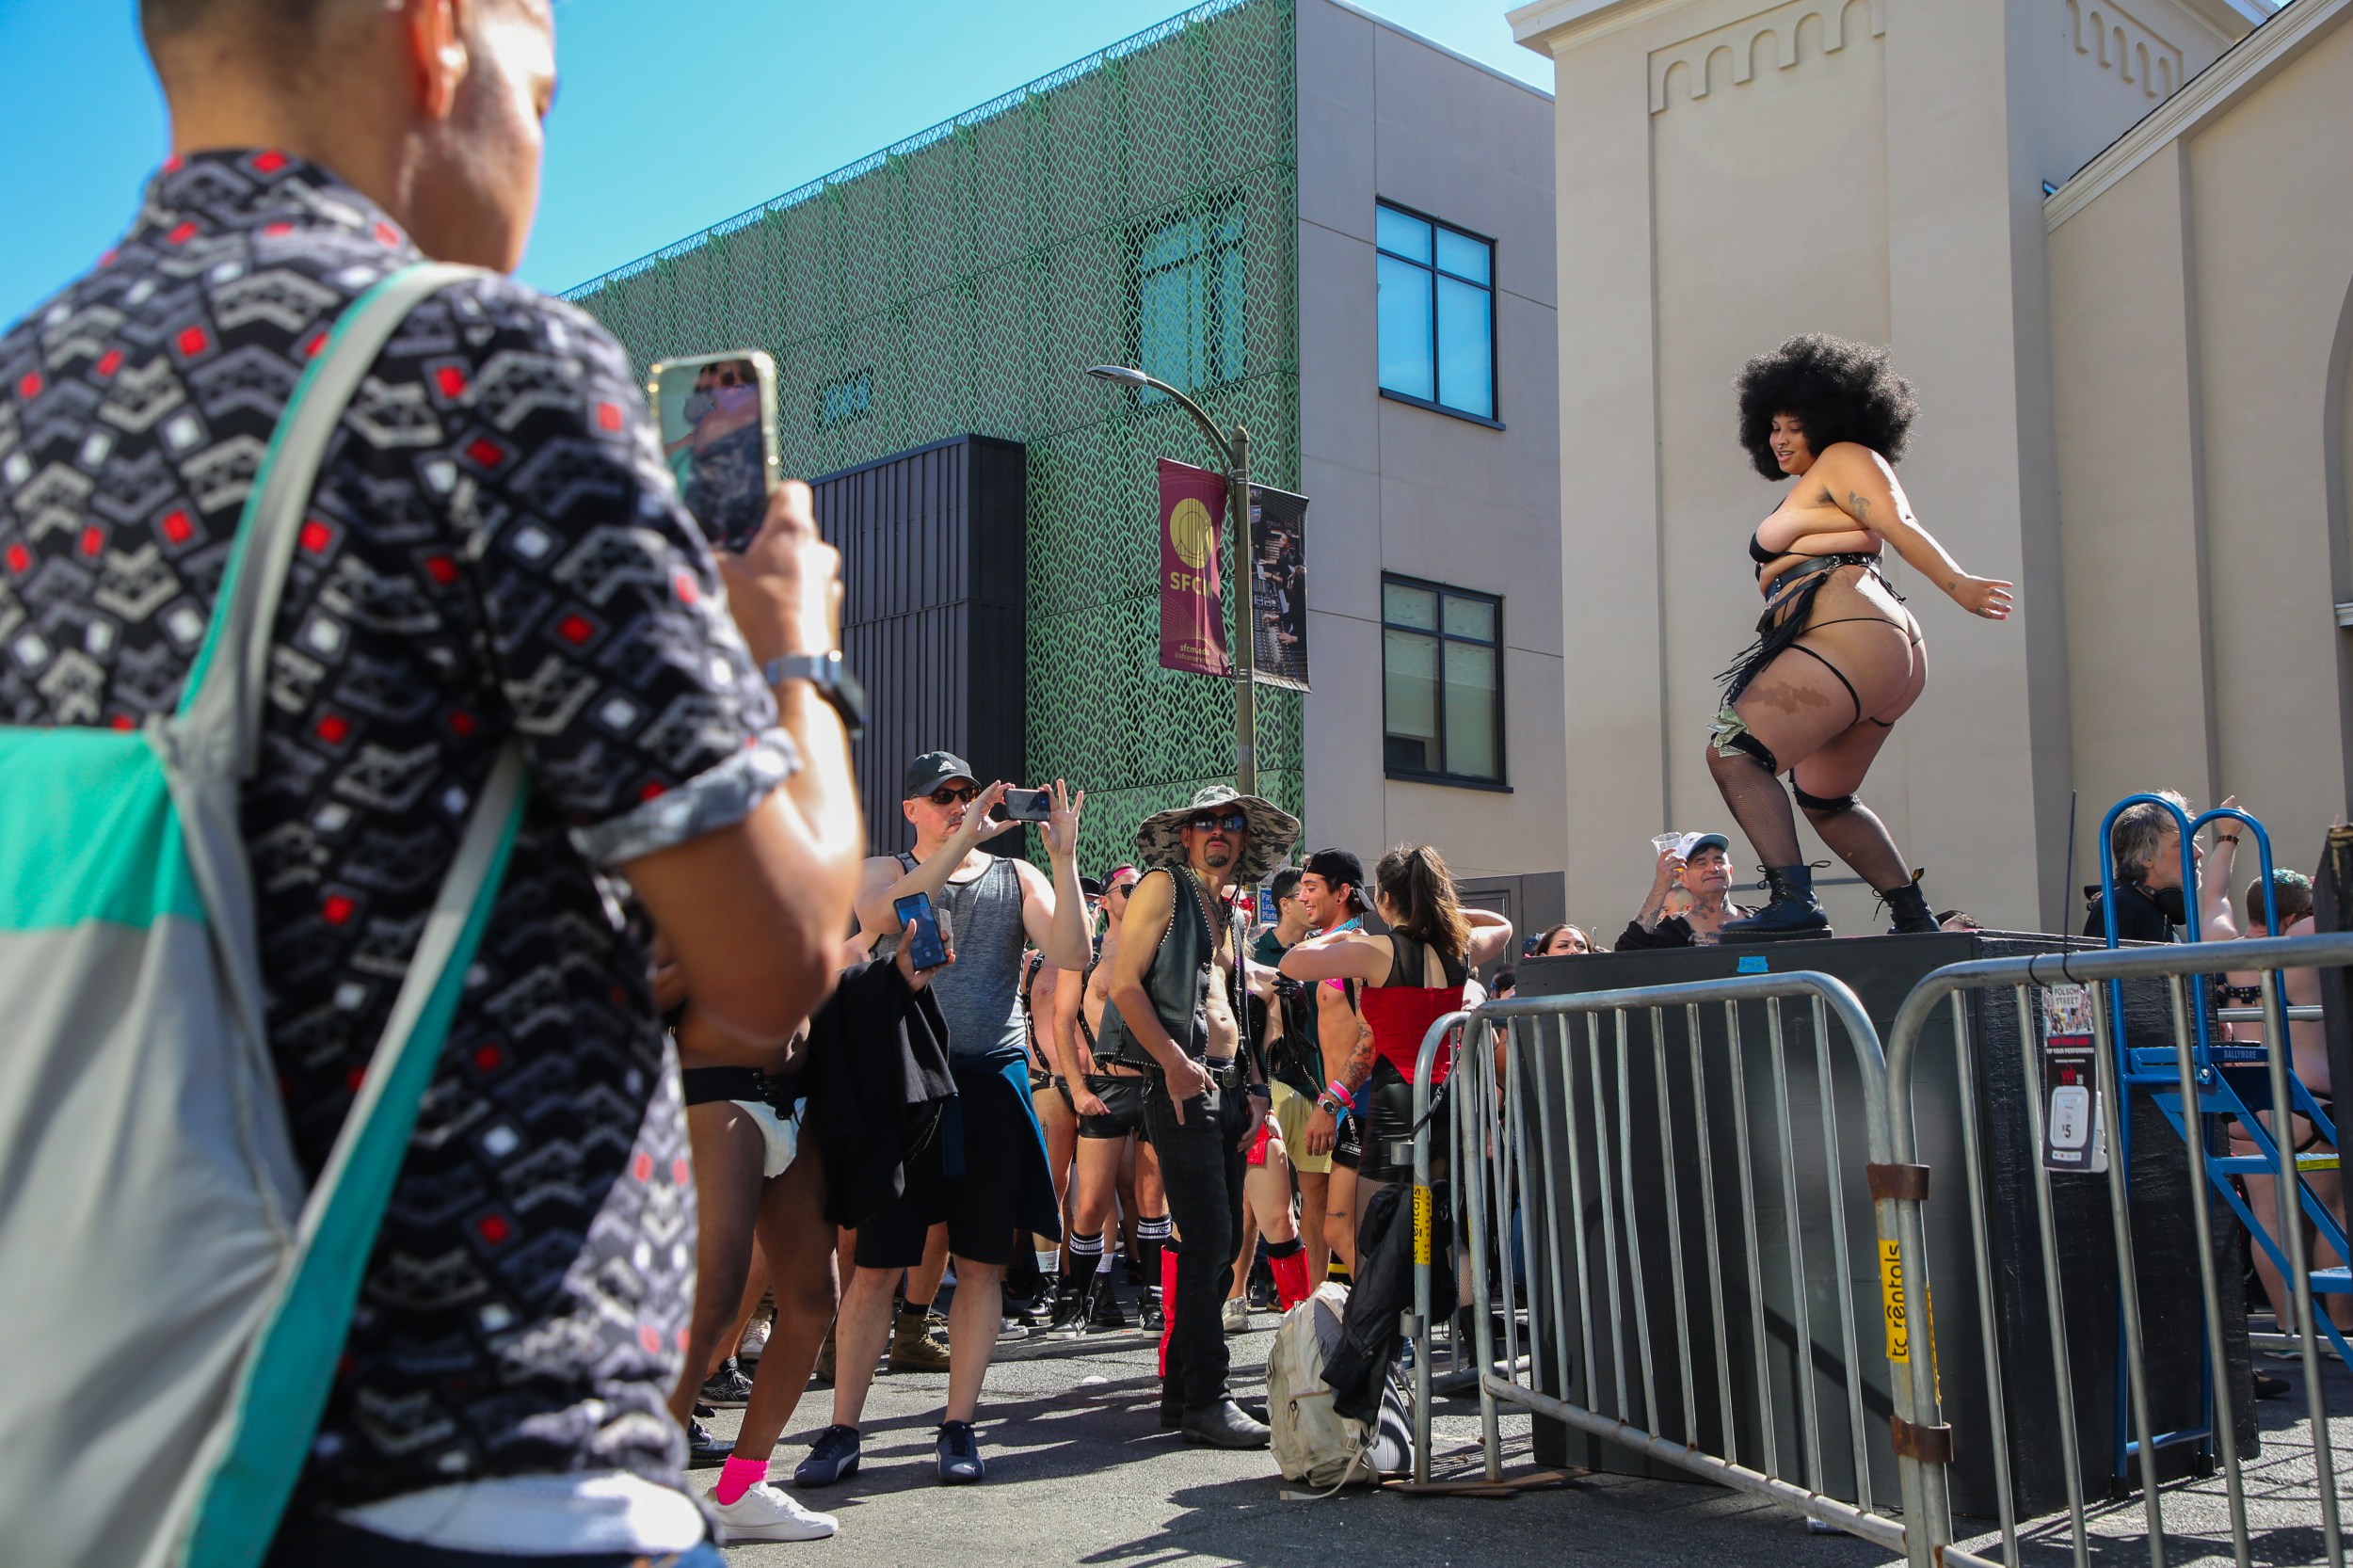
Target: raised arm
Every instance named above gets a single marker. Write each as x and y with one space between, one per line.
1865 487
1339 955
1055 915
1490 935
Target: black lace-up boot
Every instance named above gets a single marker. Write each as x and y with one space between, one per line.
1909 906
1791 914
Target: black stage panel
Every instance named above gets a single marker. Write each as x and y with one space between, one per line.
1882 970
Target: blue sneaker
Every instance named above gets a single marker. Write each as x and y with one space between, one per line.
833 1459
959 1455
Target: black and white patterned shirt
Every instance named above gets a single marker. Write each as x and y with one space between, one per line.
495 549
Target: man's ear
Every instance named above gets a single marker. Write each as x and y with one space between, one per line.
906 810
433 34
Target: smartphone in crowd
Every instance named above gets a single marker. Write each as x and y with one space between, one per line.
919 923
1029 805
717 415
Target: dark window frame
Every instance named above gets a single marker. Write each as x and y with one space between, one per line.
1500 783
1492 420
1232 205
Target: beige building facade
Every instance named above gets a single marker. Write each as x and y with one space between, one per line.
2111 248
1407 493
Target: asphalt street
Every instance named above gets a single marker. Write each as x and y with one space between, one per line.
1079 1473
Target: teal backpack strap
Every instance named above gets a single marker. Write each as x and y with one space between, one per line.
252 1467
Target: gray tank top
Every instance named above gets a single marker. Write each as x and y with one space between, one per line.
980 994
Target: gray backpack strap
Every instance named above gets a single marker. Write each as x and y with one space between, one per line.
222 699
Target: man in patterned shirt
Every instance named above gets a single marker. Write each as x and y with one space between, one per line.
493 550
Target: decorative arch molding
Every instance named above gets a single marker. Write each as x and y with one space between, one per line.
1782 39
2108 37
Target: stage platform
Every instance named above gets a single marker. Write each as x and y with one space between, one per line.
1882 970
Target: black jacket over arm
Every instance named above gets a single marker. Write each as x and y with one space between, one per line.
876 1076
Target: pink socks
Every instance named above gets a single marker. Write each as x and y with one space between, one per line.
736 1476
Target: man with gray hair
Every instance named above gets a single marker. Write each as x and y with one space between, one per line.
2145 844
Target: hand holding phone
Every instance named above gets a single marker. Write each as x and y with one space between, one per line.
717 415
1029 805
921 931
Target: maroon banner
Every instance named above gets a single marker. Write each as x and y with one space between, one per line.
1193 606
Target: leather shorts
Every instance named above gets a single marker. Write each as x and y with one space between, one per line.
1123 1096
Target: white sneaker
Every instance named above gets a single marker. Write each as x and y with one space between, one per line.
1235 1315
755 1340
766 1512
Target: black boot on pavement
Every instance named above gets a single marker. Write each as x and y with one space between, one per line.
1223 1425
1791 914
1909 906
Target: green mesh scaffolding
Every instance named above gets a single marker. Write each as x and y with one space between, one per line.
962 279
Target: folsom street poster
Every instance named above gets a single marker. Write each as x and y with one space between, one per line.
1192 599
1192 604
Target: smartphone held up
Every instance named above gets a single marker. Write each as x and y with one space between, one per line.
921 930
717 415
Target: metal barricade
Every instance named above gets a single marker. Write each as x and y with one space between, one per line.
1550 1151
2200 1098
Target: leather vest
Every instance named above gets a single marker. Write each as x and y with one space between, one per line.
1177 980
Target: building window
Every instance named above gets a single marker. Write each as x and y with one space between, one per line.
1441 682
1189 299
839 402
1437 314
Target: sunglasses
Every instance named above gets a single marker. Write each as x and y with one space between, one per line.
954 794
1232 822
1122 888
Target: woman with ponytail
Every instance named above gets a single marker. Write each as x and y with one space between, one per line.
1412 977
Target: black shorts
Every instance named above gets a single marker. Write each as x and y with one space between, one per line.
1388 1136
1123 1096
982 1207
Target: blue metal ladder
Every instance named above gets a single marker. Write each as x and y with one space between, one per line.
2233 1080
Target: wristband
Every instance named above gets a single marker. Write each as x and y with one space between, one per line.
1339 1094
1261 1092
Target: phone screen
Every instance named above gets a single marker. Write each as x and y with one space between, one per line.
1029 805
717 417
920 932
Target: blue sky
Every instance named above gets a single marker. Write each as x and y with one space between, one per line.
82 124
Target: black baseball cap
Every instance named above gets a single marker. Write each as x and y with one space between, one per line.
1336 866
933 769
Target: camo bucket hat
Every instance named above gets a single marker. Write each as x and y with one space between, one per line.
1161 839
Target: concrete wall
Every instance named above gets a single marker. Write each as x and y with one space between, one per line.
1732 172
1384 115
2201 277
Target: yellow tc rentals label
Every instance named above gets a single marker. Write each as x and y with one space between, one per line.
1421 1225
1891 1299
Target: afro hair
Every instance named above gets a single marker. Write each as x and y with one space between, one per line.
1839 390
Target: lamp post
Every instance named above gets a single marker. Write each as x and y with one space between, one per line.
1232 453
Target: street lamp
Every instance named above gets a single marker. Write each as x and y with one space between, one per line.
1233 456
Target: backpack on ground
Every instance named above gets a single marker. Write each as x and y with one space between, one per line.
1313 1442
172 1304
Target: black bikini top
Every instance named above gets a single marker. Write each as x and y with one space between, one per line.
1757 552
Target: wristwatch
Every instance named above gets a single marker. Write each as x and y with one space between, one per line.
1329 1106
832 679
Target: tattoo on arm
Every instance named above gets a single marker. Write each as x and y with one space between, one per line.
1860 504
1359 1064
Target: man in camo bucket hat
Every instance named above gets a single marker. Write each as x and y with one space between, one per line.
1161 838
1178 1015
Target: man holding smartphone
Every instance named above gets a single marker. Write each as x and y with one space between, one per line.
986 1174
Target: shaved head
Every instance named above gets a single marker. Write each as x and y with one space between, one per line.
431 109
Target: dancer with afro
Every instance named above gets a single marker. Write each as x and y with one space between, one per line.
1837 659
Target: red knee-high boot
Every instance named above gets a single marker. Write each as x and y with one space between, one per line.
1288 1259
1168 1298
